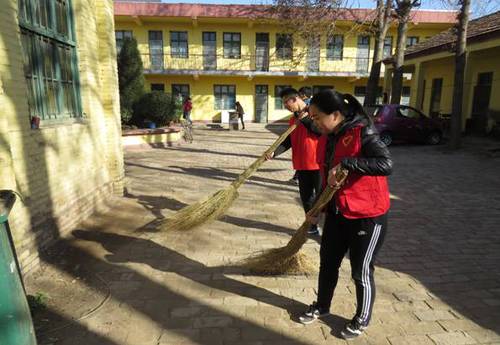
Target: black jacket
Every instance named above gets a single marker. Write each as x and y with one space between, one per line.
375 160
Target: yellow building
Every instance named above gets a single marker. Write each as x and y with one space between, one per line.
60 136
221 53
432 65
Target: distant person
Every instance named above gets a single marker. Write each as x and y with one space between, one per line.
305 93
240 112
186 109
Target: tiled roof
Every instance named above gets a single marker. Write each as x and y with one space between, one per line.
125 8
478 30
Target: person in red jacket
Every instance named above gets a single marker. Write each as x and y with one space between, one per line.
304 143
356 218
186 109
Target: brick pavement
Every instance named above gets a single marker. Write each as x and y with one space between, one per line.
438 276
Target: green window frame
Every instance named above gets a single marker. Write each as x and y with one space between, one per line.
50 59
232 45
335 48
387 47
179 47
224 97
284 46
120 35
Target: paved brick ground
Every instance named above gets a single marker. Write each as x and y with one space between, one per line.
438 273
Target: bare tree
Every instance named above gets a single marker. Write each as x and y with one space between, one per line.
460 62
403 10
381 26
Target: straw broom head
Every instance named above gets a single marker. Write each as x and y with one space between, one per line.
289 259
216 206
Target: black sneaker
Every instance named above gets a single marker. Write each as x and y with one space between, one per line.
312 314
353 329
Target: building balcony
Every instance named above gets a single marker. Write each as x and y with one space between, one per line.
254 65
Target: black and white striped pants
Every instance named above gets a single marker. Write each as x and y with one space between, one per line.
363 238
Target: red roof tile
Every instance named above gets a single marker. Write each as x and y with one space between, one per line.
251 11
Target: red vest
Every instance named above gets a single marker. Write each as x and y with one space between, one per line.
304 148
361 196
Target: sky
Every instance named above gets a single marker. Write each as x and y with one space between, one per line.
479 7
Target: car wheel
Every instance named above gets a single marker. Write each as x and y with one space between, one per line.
386 138
434 138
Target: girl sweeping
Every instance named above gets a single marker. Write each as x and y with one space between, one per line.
356 219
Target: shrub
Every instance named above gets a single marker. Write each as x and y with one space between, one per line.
157 107
130 78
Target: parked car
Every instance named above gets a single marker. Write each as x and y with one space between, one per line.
401 123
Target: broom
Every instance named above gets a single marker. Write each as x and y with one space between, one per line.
289 259
216 205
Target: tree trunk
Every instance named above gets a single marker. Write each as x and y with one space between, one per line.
384 12
397 76
458 85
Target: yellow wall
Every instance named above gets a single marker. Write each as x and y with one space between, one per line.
202 91
63 171
348 64
202 86
482 57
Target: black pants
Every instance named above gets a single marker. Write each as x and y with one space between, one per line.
242 123
363 238
309 187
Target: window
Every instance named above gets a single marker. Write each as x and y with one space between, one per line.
318 88
409 113
284 46
278 102
232 45
225 96
405 95
158 87
411 41
335 47
180 89
156 49
179 44
50 59
120 35
388 47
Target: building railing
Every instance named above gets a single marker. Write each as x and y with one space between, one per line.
162 63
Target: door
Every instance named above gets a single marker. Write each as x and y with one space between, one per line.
435 107
262 52
313 54
363 54
261 97
209 50
481 102
156 49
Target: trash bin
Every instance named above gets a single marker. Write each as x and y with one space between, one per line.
16 326
233 121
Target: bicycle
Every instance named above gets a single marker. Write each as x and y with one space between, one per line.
187 129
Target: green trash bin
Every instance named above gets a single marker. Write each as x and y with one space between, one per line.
16 326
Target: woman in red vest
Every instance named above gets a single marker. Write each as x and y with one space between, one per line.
356 219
